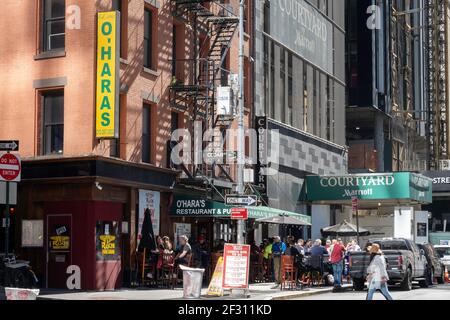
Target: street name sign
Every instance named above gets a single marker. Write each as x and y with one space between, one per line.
241 200
9 145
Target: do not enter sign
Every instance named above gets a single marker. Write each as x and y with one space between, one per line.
9 167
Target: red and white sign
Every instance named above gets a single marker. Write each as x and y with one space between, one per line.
9 167
236 263
239 214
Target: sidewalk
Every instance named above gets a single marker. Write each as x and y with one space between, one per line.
262 291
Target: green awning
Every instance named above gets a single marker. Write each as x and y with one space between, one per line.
266 212
395 188
187 206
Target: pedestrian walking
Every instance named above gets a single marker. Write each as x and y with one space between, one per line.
278 249
337 260
377 275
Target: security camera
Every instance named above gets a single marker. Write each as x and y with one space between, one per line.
98 185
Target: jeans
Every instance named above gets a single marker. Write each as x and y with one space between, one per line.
337 273
384 291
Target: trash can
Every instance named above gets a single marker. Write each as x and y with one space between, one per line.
21 294
192 282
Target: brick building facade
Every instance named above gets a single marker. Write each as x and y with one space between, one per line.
71 180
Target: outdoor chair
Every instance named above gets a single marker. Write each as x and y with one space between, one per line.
147 268
167 270
288 273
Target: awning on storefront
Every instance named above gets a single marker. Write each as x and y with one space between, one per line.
398 188
187 206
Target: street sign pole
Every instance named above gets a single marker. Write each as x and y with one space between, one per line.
240 141
355 209
7 221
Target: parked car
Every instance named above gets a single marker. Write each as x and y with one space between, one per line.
443 252
435 269
405 263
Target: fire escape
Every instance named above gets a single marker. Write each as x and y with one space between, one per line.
437 84
213 27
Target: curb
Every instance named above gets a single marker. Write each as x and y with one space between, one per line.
306 293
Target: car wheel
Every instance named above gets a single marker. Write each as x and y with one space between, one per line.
358 284
441 278
407 281
429 277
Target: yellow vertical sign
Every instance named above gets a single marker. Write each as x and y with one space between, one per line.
108 67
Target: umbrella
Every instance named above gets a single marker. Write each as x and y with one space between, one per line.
283 219
344 229
148 237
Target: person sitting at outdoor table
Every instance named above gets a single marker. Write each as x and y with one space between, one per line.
300 246
278 249
292 250
167 245
308 247
318 249
353 246
185 249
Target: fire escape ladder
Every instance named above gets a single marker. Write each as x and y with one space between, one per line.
216 25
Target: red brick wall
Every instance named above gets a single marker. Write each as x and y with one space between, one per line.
19 105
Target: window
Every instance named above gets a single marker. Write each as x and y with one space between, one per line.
53 122
146 133
117 6
148 30
54 22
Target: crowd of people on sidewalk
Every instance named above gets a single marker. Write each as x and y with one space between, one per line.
337 253
274 248
334 249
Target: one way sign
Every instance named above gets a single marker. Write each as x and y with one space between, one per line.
9 145
241 200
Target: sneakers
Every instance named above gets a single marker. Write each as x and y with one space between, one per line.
337 288
275 286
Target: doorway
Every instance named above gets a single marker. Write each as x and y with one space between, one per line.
59 249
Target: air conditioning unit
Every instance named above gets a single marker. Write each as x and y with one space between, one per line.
445 165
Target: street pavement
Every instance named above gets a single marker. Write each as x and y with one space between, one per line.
439 292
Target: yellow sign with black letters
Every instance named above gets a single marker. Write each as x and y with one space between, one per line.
108 81
60 242
108 244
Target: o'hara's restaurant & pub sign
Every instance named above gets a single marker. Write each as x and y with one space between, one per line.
185 206
386 186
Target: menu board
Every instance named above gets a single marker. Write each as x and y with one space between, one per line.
236 266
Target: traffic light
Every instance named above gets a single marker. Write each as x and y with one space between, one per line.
12 210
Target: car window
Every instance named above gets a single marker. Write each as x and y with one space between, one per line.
392 245
443 252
